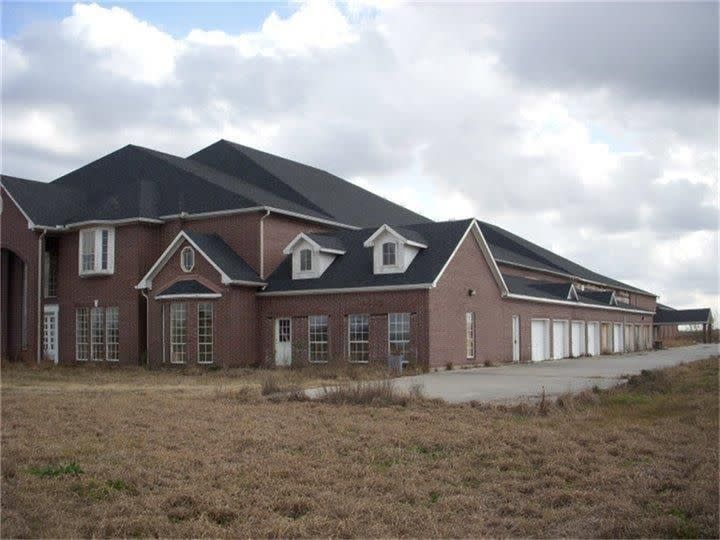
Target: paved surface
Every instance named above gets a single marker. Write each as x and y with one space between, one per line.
520 382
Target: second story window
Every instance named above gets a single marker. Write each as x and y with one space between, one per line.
389 254
97 251
187 259
305 260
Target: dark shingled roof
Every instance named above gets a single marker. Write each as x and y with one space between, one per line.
411 234
598 297
223 255
327 241
539 289
188 286
44 203
308 186
355 268
506 246
682 316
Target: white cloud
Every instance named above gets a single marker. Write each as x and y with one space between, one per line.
425 105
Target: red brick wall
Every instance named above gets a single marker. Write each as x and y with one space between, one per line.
338 307
23 242
234 316
449 302
135 246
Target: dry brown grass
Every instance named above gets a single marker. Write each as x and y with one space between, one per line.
92 458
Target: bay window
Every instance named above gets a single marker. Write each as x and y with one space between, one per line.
97 251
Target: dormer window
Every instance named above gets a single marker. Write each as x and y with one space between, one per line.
305 260
187 259
389 254
394 249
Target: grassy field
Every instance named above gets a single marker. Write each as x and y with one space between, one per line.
96 452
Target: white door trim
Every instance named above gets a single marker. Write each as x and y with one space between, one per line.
53 309
283 357
516 338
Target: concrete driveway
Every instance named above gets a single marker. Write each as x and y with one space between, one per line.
519 382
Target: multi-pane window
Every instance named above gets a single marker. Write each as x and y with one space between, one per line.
305 260
97 334
359 338
318 338
389 253
50 266
187 259
97 248
82 333
112 334
470 335
205 333
178 332
399 334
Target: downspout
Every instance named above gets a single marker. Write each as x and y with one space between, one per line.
41 242
147 326
262 245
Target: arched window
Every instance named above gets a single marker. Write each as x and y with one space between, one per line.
389 254
305 260
187 259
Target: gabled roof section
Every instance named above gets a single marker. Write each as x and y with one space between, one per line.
354 270
43 203
307 186
539 289
232 268
321 242
187 288
683 316
512 249
404 234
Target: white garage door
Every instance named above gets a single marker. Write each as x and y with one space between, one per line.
578 338
617 338
540 338
560 339
593 339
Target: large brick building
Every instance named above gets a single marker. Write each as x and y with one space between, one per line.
233 256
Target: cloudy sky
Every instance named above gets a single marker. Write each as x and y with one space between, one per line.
590 129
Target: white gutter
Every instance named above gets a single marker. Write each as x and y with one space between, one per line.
379 288
513 296
188 295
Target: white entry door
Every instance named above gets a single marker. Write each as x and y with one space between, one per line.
283 341
593 338
578 338
516 338
560 339
540 339
50 333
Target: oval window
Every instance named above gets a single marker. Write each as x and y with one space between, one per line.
187 259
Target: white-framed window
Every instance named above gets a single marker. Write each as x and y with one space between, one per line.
359 338
112 334
187 259
470 335
399 335
97 334
178 333
82 334
305 260
205 333
389 254
318 338
97 251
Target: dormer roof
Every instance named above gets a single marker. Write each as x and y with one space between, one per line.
324 243
406 235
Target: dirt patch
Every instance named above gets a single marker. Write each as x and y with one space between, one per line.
638 460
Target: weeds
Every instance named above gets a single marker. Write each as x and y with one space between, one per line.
378 394
51 471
